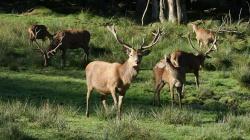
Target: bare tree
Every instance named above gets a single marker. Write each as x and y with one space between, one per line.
181 11
172 11
161 12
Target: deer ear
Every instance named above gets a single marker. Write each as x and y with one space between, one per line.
145 52
126 50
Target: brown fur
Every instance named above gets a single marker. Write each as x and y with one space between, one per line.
42 32
69 39
165 72
204 37
190 62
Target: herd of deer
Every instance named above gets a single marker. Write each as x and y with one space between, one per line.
111 78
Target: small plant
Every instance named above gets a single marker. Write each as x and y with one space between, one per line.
242 74
13 132
214 105
241 122
177 116
223 62
126 129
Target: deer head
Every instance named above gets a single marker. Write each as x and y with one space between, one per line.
135 55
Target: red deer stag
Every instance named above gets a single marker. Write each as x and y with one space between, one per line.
191 63
69 39
39 32
204 37
109 78
165 72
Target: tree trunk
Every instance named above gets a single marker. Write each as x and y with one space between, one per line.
161 13
181 11
172 11
155 9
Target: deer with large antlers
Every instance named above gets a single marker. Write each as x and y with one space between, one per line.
165 72
69 39
190 62
109 78
39 32
204 37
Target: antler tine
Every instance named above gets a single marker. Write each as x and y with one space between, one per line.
36 32
54 50
143 42
155 40
39 48
211 48
189 40
113 31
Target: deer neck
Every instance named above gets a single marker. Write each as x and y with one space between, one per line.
195 28
127 72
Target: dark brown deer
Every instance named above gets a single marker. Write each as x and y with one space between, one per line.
69 39
39 32
109 78
191 63
165 72
204 37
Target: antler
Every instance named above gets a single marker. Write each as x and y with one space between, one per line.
189 40
59 44
54 50
211 48
113 31
39 48
157 37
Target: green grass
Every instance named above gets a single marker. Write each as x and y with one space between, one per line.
49 103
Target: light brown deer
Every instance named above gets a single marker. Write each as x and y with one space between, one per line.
39 32
165 72
69 39
204 37
109 78
191 63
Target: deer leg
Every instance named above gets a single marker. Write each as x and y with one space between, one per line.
158 91
103 98
179 91
45 60
87 100
114 99
172 95
63 58
119 106
86 50
197 79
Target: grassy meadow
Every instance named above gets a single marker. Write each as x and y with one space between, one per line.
39 102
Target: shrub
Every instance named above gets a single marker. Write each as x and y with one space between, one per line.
241 122
242 74
177 116
223 61
126 129
214 105
205 93
245 106
13 132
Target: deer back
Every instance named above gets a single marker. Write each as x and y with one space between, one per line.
188 61
71 39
